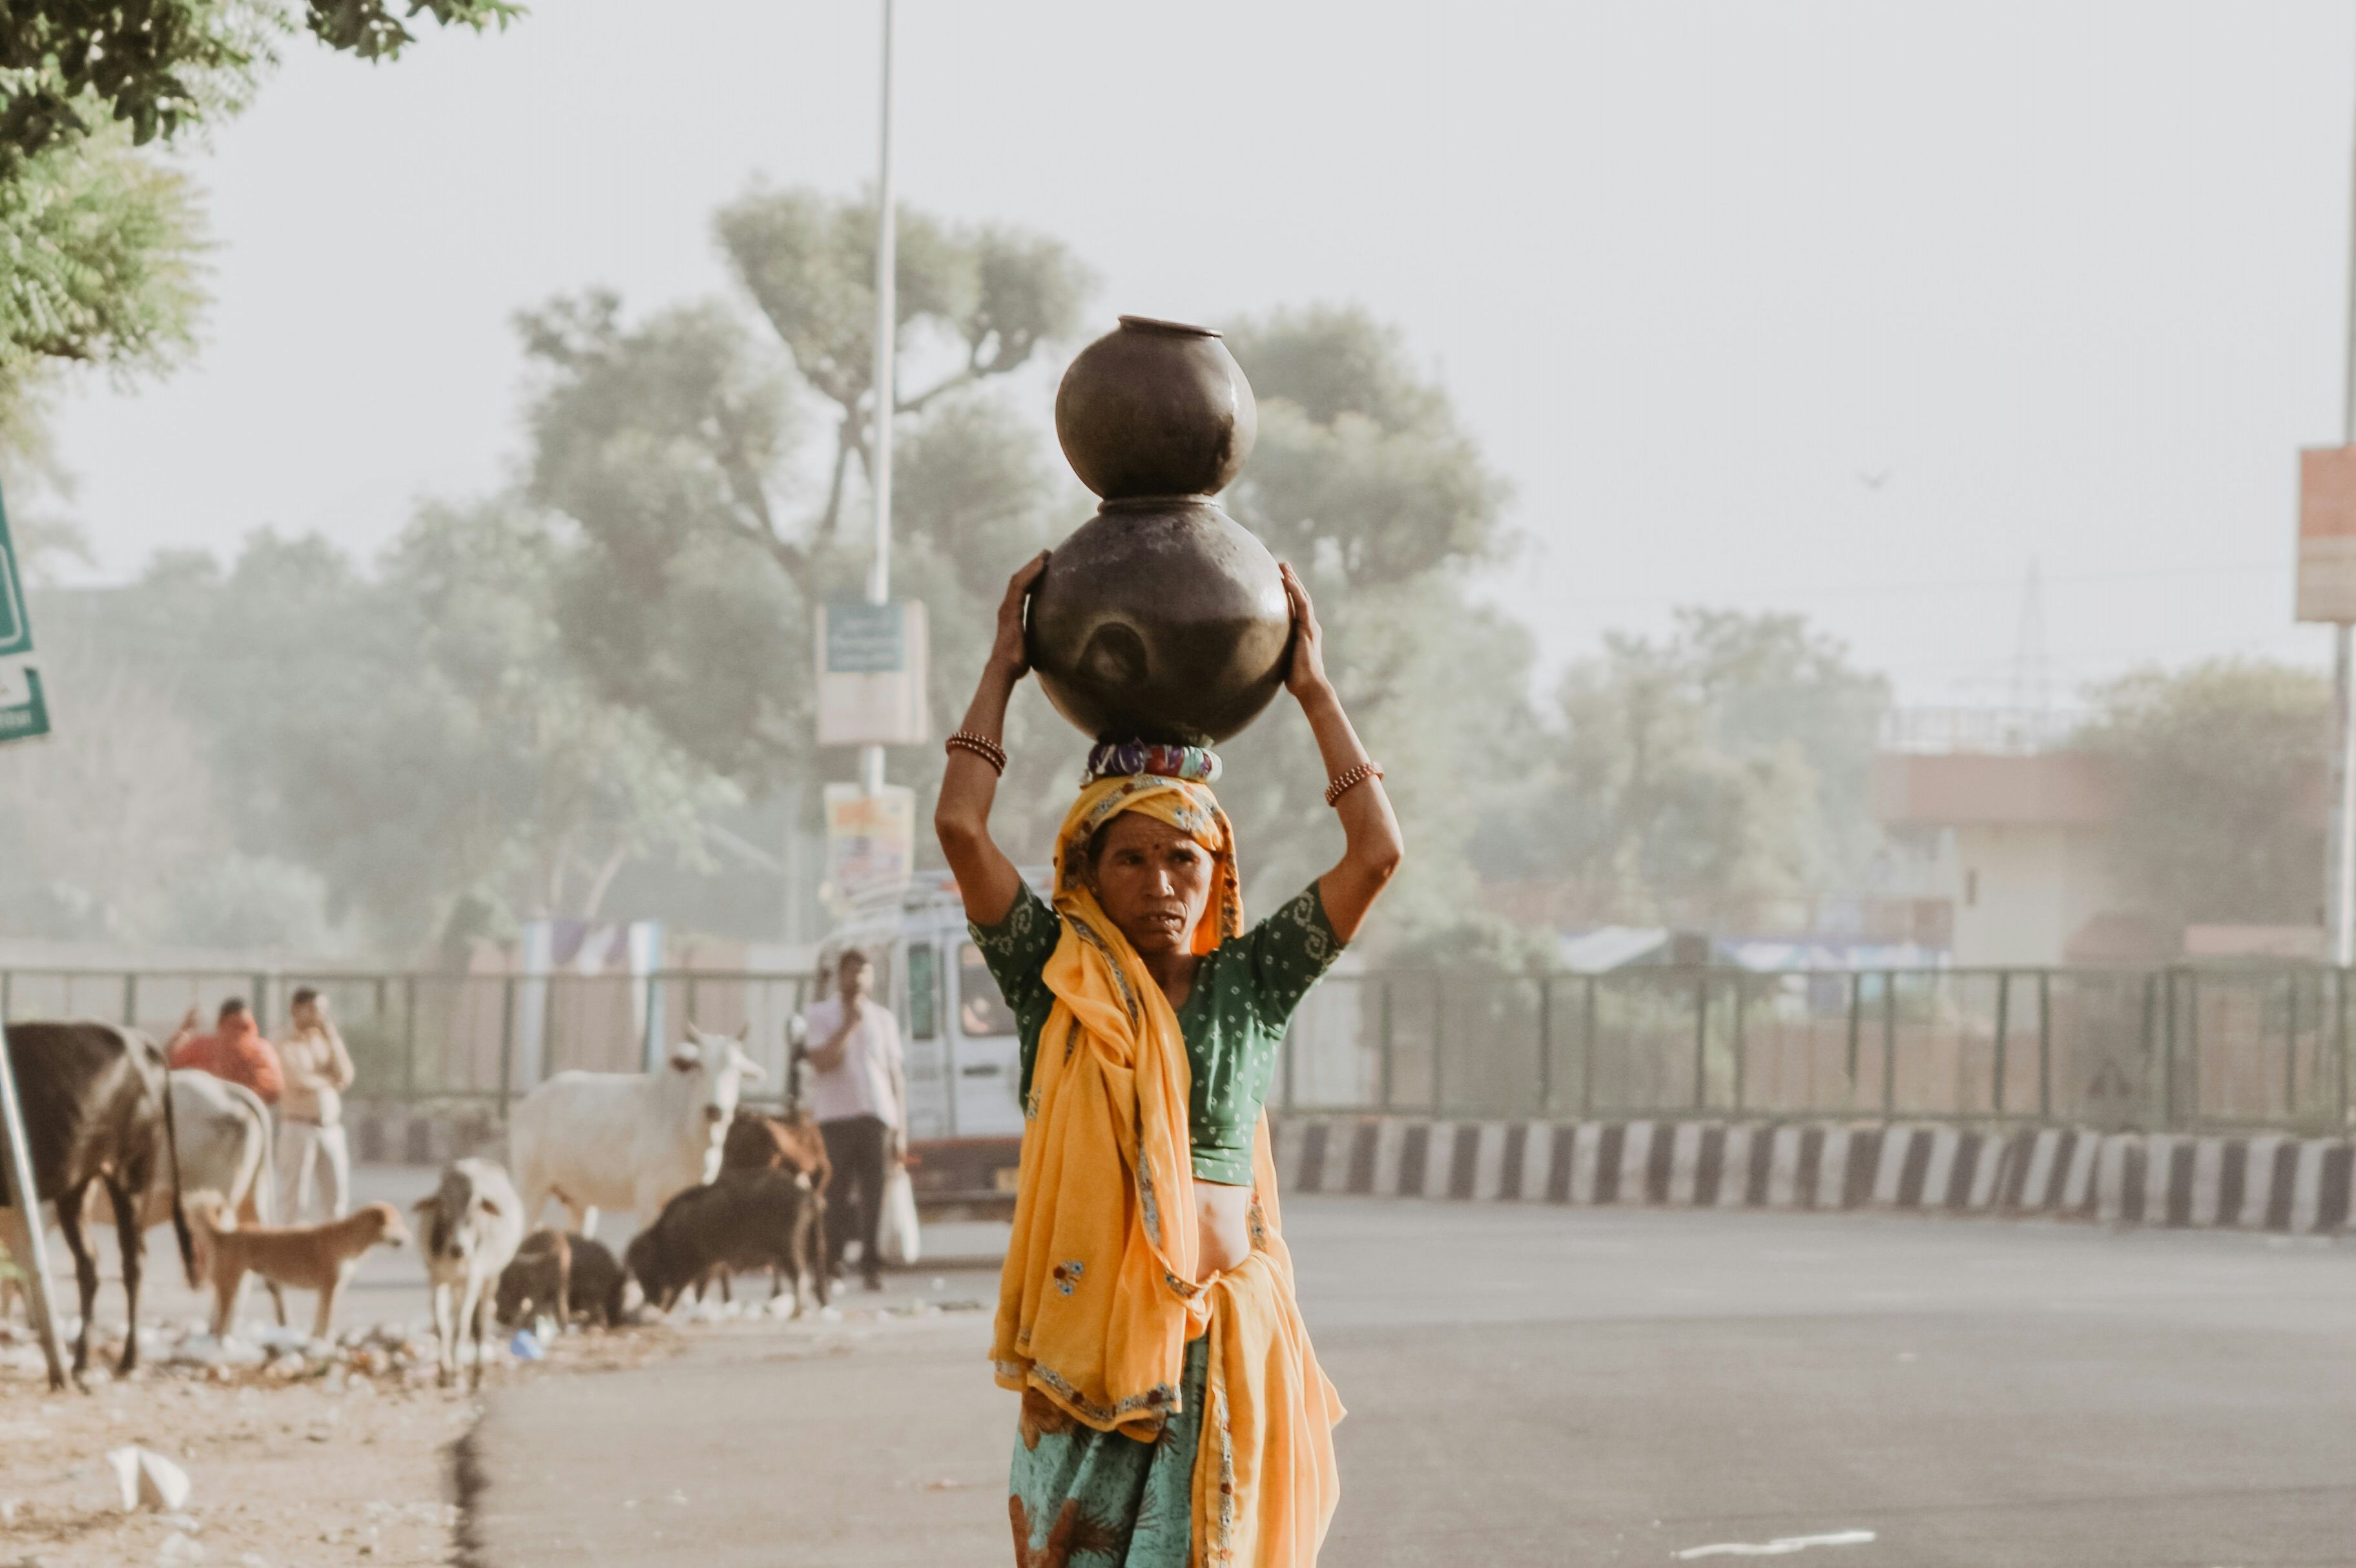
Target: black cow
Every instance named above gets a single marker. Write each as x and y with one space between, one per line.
98 1109
744 1220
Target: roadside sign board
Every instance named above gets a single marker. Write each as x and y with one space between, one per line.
2327 534
871 839
866 639
871 675
24 712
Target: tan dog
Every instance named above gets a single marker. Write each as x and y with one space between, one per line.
308 1257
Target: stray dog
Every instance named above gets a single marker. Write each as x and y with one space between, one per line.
562 1275
308 1257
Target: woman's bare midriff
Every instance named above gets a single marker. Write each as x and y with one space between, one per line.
1223 1234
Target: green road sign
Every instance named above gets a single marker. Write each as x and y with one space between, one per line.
864 639
24 712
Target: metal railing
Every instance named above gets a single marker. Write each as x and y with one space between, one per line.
2164 1048
2160 1048
477 1040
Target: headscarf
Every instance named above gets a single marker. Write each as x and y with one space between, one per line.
1097 1296
1191 809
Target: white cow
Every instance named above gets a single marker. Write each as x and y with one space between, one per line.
629 1140
224 1138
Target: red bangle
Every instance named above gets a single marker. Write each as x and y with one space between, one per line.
1350 779
982 746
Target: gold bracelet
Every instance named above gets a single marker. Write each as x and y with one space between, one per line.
982 746
1350 779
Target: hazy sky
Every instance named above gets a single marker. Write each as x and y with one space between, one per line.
2069 281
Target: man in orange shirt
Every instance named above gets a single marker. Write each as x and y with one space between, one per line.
234 1050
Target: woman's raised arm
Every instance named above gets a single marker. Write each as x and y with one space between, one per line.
986 879
1373 847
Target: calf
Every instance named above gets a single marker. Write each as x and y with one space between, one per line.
744 1220
560 1274
628 1140
98 1111
473 1224
308 1257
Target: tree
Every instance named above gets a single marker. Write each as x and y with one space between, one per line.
32 482
103 250
113 829
2219 768
711 529
489 764
377 751
667 444
1360 467
101 242
69 68
1699 773
983 299
1361 479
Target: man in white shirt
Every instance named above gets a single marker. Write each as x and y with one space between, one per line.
859 1094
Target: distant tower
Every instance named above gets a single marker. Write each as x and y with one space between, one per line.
2032 687
2027 722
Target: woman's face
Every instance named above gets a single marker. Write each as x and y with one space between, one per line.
1154 882
304 1015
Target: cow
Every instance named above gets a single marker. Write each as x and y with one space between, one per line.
742 1219
98 1111
471 1226
223 1133
224 1136
628 1140
759 1141
790 1143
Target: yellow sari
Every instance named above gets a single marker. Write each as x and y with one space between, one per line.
1098 1299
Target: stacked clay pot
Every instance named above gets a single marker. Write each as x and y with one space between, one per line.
1162 618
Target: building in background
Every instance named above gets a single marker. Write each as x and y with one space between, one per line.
2009 821
2015 845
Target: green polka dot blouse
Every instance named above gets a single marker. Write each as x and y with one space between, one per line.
1245 992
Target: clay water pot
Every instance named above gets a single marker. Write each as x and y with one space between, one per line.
1162 618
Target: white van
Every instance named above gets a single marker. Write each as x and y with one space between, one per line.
964 1064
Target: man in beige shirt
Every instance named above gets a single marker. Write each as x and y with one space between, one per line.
317 1071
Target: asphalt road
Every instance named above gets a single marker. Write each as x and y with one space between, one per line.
1549 1386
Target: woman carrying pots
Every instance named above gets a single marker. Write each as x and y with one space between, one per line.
1173 1412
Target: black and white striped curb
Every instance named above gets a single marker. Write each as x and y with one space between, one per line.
2273 1182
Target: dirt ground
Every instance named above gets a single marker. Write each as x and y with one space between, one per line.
293 1463
334 1455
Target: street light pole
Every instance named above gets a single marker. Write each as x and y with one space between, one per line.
878 571
2340 887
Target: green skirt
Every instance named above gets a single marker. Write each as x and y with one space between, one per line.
1085 1498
